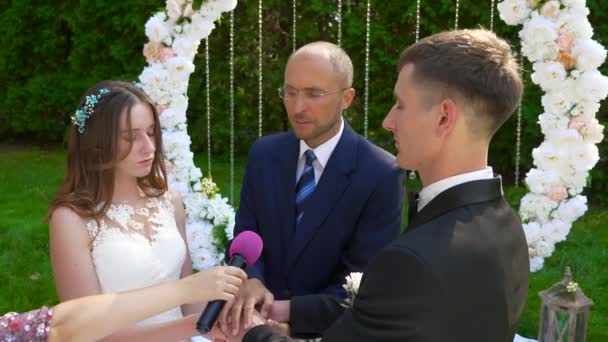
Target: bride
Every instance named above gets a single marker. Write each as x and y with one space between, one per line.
114 226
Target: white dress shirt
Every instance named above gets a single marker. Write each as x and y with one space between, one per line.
323 152
431 191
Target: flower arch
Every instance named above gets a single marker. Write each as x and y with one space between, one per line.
175 35
556 38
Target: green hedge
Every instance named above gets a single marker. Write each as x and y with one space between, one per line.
52 51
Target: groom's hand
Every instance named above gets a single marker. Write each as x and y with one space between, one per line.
239 315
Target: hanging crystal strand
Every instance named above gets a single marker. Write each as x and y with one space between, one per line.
366 100
518 141
339 22
457 10
232 107
260 69
293 26
492 5
412 174
417 20
208 108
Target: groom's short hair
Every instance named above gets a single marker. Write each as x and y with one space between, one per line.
474 67
338 58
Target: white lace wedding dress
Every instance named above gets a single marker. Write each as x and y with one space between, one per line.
136 247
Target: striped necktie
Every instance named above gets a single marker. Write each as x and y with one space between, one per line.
306 185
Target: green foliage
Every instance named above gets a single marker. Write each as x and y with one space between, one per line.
70 45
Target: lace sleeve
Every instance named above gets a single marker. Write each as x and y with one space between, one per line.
31 326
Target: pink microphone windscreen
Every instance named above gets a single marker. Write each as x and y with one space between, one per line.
247 244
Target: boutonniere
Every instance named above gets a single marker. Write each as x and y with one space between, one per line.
353 280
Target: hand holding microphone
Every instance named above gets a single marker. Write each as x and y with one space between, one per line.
245 250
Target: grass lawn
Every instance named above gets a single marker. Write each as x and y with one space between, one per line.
29 179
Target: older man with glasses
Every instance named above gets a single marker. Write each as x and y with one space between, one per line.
324 199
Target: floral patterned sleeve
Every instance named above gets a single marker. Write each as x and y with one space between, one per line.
32 326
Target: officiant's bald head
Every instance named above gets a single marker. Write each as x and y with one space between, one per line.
338 58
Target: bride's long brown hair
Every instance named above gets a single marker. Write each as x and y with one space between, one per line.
88 186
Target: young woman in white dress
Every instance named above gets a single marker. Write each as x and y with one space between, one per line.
114 225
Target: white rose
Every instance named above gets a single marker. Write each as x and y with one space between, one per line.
551 123
184 47
513 12
539 181
549 157
593 132
153 75
556 230
576 24
539 30
156 29
180 103
573 179
200 27
225 5
532 231
536 264
179 68
556 103
536 207
172 117
574 4
544 248
589 54
174 8
592 86
585 108
211 11
584 156
548 75
572 209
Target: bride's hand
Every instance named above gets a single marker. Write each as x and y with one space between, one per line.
216 283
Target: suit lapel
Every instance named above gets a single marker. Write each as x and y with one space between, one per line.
285 161
460 195
329 190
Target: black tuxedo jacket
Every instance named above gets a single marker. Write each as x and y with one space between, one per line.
459 273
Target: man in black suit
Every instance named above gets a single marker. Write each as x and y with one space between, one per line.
460 272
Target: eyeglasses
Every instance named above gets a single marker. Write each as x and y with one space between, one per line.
309 94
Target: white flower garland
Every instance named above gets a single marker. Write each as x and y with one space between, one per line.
175 35
556 38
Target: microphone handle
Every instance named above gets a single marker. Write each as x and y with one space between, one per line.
214 307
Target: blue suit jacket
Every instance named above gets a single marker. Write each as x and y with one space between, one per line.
355 210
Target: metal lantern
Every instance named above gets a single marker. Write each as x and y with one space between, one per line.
564 312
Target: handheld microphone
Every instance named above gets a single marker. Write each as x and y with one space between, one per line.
244 251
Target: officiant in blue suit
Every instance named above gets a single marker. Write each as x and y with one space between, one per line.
323 198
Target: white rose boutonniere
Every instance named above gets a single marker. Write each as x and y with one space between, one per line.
353 281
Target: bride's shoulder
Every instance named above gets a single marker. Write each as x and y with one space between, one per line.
64 214
66 222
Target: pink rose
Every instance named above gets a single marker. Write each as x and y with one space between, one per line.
565 41
550 9
157 52
152 52
578 123
165 54
557 193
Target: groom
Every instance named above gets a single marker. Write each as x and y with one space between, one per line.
460 272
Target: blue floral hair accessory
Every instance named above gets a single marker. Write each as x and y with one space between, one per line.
86 110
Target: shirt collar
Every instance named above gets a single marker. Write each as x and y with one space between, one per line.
323 151
428 193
